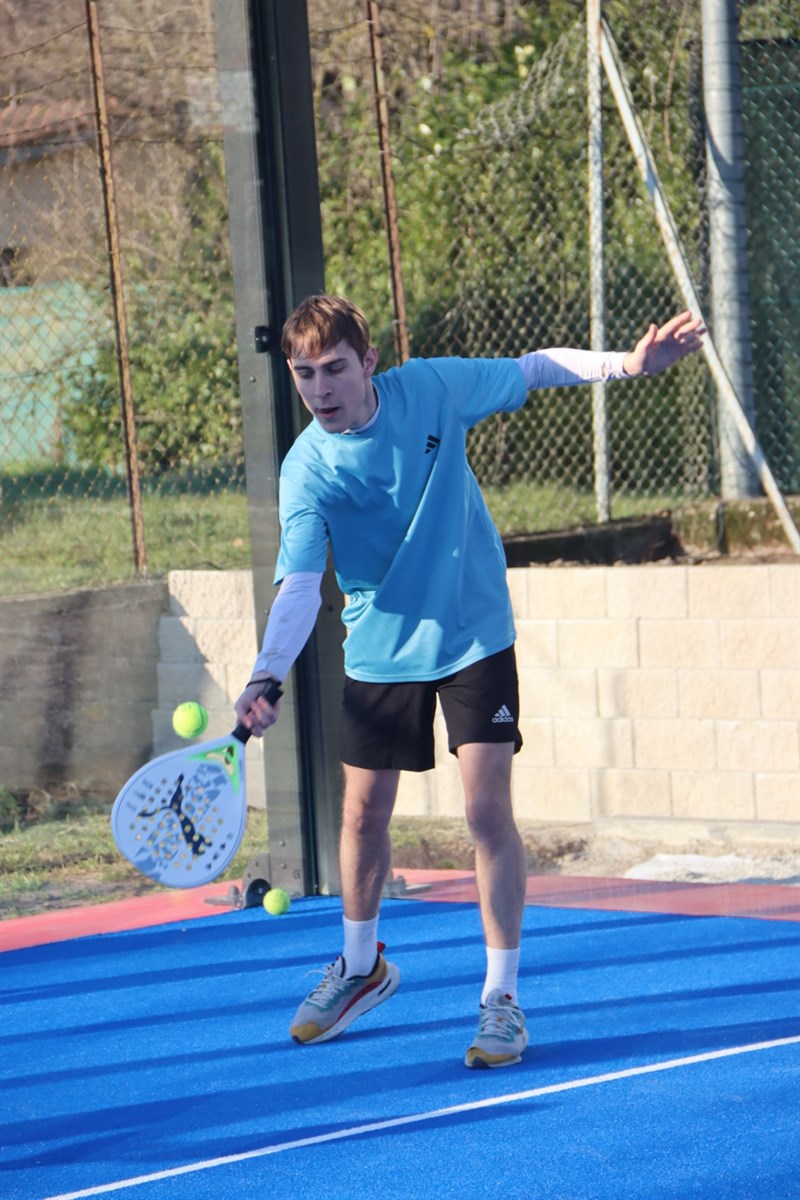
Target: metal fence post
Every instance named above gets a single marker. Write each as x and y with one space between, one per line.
276 248
730 308
594 74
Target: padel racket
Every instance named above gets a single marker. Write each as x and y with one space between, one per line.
180 819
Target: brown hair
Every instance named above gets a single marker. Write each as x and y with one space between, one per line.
320 322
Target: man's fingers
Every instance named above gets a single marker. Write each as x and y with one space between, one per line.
263 714
255 713
675 323
683 327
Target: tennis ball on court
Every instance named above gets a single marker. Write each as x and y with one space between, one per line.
189 719
277 902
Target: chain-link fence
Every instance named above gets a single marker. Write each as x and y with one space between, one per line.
770 99
65 504
488 130
494 230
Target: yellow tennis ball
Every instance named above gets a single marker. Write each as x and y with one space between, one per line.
277 902
189 719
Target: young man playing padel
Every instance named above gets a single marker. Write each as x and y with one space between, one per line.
381 475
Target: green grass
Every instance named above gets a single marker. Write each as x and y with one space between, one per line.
67 529
521 507
63 542
57 852
63 539
61 863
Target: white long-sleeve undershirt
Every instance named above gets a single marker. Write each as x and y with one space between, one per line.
557 367
295 608
289 624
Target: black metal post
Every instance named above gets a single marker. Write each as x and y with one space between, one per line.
276 246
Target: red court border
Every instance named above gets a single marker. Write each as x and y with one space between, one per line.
765 901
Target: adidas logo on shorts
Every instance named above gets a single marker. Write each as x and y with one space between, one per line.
502 716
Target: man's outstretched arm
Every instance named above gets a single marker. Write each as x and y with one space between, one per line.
659 349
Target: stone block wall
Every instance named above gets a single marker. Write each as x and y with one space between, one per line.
78 681
206 646
667 696
662 698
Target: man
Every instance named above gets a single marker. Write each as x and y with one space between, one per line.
381 475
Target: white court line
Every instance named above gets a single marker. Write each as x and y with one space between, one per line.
416 1118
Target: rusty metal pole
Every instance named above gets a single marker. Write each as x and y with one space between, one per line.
132 474
400 325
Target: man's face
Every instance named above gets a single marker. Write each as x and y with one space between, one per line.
335 386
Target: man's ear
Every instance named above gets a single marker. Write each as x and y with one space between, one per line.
370 361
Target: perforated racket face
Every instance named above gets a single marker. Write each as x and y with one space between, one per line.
181 818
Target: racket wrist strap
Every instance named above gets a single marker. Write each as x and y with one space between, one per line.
264 677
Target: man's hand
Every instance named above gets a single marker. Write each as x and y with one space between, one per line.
254 711
661 348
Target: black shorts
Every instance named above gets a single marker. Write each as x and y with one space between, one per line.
389 726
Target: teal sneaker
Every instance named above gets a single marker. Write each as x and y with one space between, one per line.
501 1036
336 1002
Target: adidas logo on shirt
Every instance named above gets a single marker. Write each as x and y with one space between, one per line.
502 716
431 443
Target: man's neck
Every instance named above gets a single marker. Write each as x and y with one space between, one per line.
372 418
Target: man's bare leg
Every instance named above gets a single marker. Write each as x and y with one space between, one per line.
501 1036
499 853
365 848
361 978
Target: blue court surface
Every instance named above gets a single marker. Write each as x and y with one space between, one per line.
156 1063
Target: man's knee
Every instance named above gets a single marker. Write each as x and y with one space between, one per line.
368 801
490 816
365 820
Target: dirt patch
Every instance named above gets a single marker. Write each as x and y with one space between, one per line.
561 850
441 844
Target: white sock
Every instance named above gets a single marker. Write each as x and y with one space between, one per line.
502 967
360 946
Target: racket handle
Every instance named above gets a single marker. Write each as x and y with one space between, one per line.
271 692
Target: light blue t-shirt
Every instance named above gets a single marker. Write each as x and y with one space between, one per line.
414 548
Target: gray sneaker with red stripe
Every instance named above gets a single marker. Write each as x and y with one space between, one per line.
336 1001
501 1037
